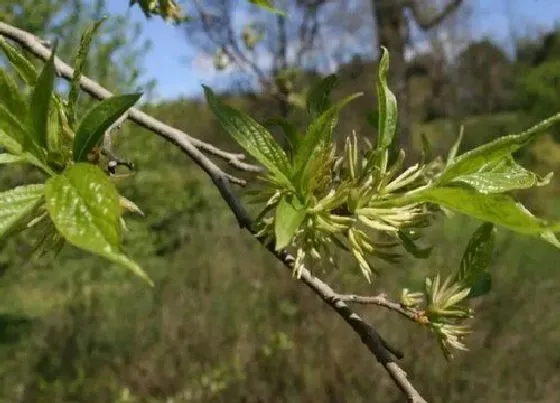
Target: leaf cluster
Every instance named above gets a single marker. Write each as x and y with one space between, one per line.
77 203
318 199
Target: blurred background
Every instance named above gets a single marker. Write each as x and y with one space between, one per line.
225 322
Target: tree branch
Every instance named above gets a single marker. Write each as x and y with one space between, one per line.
193 148
426 21
381 300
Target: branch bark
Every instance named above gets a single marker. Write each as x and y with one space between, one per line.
194 148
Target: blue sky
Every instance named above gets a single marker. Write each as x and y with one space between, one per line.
170 60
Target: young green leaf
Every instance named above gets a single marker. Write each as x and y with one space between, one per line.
79 64
253 137
319 134
318 99
16 205
267 5
500 209
387 105
476 259
475 159
84 206
290 213
11 96
97 120
23 67
40 104
502 175
10 159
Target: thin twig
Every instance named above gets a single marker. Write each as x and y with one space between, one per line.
192 147
380 300
176 136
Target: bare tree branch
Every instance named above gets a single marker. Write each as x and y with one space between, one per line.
426 20
192 147
381 300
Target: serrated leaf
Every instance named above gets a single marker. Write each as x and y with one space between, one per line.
502 175
319 134
473 160
40 104
318 98
23 67
253 137
11 96
79 64
16 205
500 209
476 259
386 104
10 159
290 213
84 207
97 120
267 5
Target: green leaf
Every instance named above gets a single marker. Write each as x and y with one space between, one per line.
16 205
267 5
502 175
10 159
40 103
318 99
79 64
253 137
23 67
97 120
319 134
84 207
290 213
11 96
386 103
470 162
500 209
476 259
